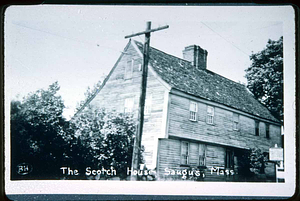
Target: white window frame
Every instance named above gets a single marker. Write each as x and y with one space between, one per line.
128 69
184 154
210 115
128 105
193 111
236 121
148 103
202 146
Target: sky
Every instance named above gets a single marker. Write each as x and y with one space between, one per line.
78 45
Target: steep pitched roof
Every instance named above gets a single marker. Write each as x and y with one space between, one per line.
182 75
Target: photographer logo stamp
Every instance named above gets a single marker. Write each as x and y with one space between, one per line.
24 168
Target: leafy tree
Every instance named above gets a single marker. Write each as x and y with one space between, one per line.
40 136
252 164
106 137
36 132
244 164
89 93
258 161
265 77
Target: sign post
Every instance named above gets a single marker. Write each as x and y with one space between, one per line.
276 155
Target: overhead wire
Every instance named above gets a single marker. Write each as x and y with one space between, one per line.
243 32
64 37
225 39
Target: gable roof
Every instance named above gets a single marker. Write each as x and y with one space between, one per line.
103 83
182 75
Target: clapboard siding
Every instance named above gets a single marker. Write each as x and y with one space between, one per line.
221 131
215 157
169 158
112 97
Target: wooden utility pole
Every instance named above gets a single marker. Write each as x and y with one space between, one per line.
138 138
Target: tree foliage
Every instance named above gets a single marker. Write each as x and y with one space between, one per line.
89 93
265 77
252 164
106 137
41 137
36 131
244 164
258 161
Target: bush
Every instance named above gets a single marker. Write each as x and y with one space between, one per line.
104 138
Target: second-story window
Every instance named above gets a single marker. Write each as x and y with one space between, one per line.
193 111
128 106
128 69
210 115
257 128
267 130
235 121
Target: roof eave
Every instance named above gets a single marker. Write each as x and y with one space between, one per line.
152 70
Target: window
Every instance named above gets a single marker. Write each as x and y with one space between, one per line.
267 131
210 115
202 154
235 121
229 159
128 106
148 103
256 128
129 69
184 153
193 111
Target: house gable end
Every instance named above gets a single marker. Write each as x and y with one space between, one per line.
131 53
104 81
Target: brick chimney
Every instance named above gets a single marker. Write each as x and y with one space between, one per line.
196 55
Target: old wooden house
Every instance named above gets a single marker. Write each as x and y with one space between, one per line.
194 118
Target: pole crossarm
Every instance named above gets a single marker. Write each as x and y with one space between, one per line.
147 31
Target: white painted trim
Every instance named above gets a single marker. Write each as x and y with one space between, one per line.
164 128
219 105
155 152
196 112
165 117
165 84
136 48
